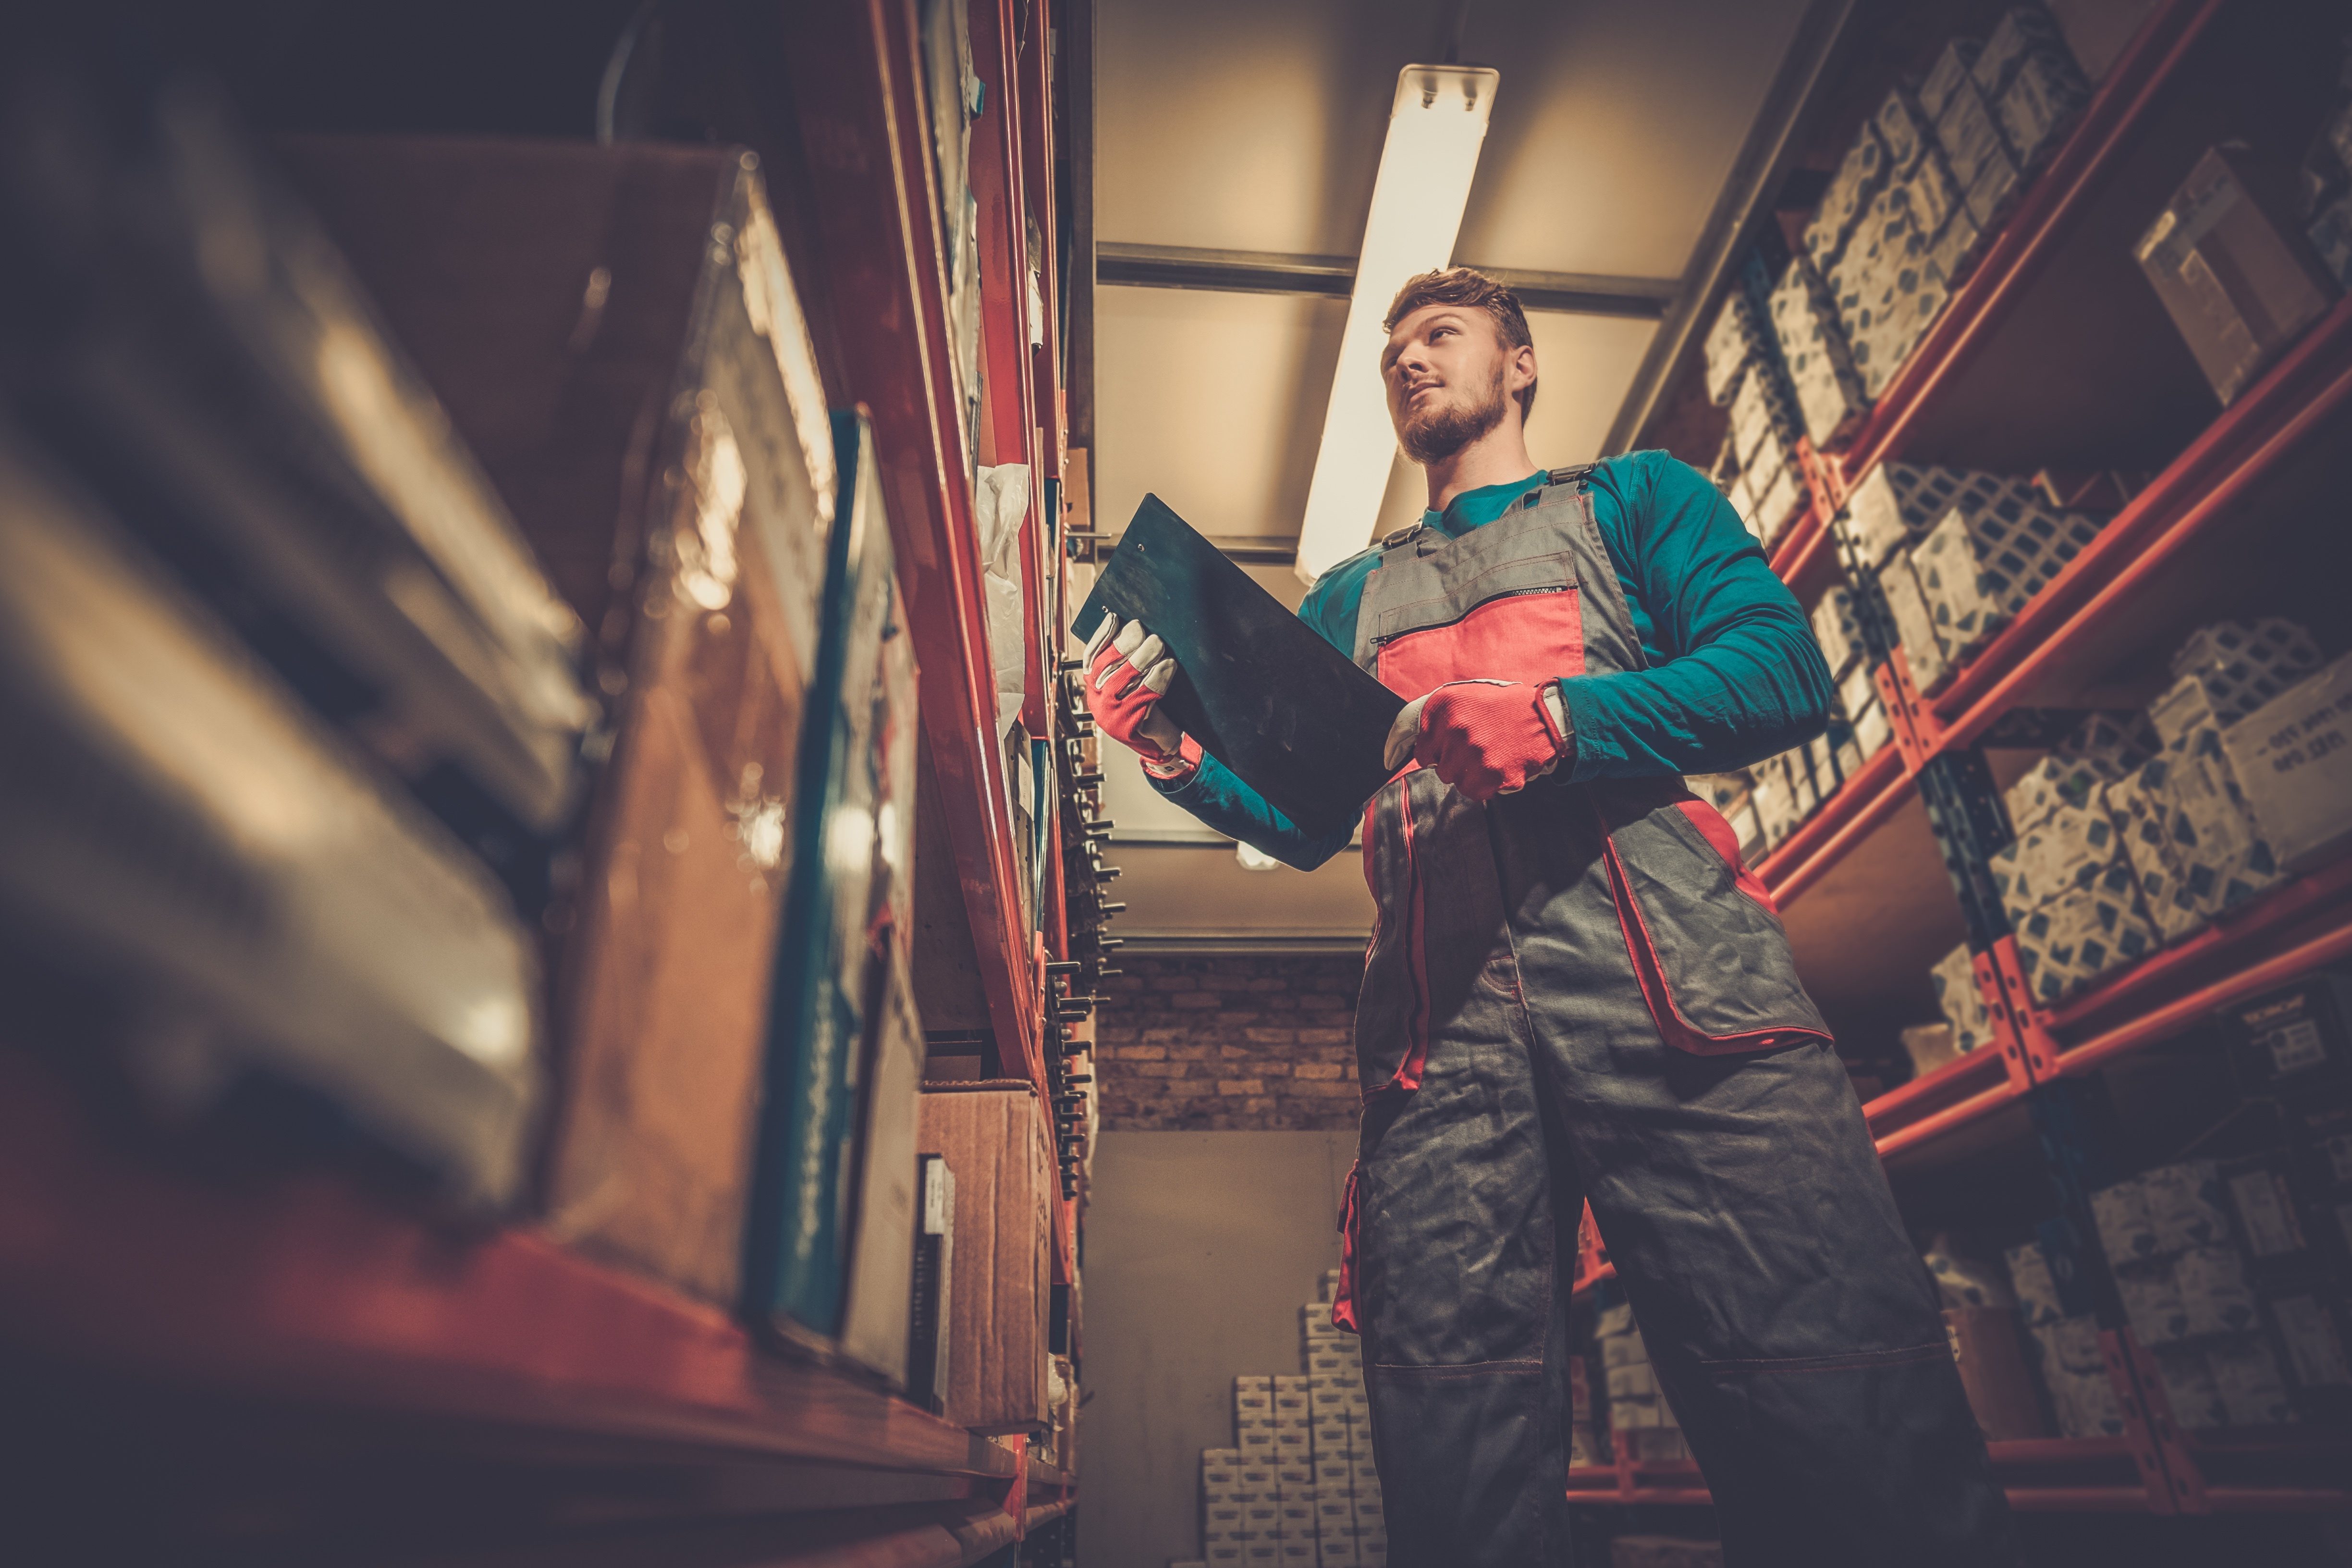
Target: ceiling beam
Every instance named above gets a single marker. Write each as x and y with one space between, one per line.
1272 272
1763 162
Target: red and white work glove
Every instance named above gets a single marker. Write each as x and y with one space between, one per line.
1485 738
1127 671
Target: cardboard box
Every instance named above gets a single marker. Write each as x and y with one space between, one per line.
1804 322
1953 66
2040 104
1905 130
2296 1041
2214 1296
2330 233
1992 1358
2233 266
2249 1382
1969 133
1632 1415
2152 1303
1780 505
2190 1389
2191 841
993 1136
1859 176
1935 198
1981 563
2232 667
1838 632
2034 1286
1914 624
2127 1234
2292 759
2084 934
1731 345
1634 1379
2074 1369
1893 505
2070 847
2186 1206
1872 730
1957 993
2106 747
2311 1330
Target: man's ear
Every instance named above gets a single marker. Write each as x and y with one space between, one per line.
1523 368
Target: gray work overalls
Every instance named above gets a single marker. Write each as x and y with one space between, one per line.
1576 992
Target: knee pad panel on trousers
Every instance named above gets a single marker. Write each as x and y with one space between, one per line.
1474 1494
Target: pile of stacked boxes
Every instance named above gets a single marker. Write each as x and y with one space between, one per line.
1926 180
1958 553
1757 468
2139 829
1297 1488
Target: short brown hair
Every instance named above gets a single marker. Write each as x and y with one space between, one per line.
1470 289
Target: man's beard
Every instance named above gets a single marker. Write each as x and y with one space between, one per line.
1433 436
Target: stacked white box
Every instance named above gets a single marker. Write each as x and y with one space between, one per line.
1873 729
1953 66
2246 1378
1858 178
2074 1368
1734 340
2293 760
2191 842
2038 104
2188 1387
2035 1287
1905 130
1761 408
2070 847
2084 934
1915 623
1894 505
1221 1497
1962 1001
1985 560
1779 505
2236 667
1812 346
1838 632
2023 31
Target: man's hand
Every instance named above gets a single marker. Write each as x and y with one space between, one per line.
1483 737
1127 673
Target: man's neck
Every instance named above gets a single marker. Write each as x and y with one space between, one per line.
1498 457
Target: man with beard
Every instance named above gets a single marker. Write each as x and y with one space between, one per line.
1575 990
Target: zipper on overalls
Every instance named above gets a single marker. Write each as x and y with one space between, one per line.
1387 638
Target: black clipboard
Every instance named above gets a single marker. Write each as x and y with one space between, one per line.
1291 716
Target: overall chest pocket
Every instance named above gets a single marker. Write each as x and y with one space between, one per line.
1710 954
1518 620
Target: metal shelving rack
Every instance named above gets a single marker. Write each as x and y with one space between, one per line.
2196 504
366 1311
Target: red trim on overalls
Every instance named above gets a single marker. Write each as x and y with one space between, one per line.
1726 843
1343 1299
1673 1026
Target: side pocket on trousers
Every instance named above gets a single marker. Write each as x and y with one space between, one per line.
1343 1299
1710 953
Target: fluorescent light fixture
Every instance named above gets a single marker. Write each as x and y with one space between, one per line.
1435 128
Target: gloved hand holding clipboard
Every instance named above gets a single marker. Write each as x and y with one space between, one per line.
1291 716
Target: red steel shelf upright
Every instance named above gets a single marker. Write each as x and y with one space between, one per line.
859 84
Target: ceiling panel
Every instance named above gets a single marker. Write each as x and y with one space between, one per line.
1615 128
1241 125
1214 401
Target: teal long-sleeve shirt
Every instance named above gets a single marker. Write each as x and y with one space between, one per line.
1734 675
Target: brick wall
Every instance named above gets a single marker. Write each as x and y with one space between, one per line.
1229 1043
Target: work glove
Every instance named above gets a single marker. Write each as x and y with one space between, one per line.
1127 671
1484 737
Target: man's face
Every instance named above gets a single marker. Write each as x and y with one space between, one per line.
1449 377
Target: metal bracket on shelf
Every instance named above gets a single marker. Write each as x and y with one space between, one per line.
1824 479
2175 1484
1917 731
2006 1034
2014 1012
